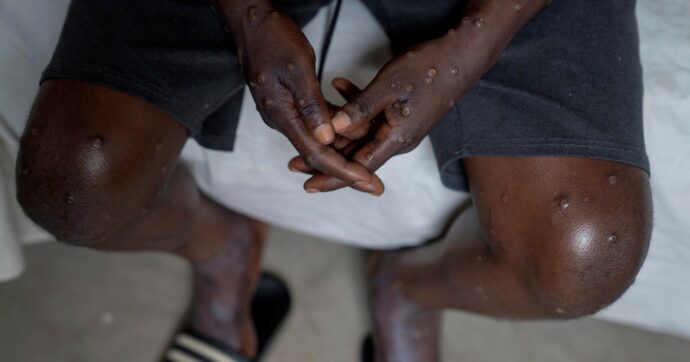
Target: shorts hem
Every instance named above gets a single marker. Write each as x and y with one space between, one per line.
453 174
116 80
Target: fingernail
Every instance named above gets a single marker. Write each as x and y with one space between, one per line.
341 121
312 191
324 134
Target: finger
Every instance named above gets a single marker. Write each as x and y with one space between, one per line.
361 109
347 89
326 184
279 111
297 164
323 183
323 158
311 106
378 151
345 146
372 156
341 142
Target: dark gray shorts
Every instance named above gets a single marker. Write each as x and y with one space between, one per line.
570 84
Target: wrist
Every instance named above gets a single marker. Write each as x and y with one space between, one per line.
242 17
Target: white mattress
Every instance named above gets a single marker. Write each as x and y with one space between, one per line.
415 204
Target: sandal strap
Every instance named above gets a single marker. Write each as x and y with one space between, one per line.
192 348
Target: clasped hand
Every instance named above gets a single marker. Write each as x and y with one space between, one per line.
345 146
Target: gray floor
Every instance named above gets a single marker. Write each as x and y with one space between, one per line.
78 305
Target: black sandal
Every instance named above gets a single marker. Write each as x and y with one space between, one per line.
368 349
270 306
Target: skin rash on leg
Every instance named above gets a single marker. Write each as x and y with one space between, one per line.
553 238
97 168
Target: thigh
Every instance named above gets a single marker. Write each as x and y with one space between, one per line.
176 54
92 157
569 84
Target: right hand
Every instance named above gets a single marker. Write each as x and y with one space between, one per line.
279 66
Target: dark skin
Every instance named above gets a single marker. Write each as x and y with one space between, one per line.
279 65
547 237
414 90
546 247
90 174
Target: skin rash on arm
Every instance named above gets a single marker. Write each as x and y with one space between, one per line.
414 90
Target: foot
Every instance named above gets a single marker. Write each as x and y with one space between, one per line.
403 331
269 306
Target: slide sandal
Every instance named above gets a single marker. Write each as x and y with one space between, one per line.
270 306
368 349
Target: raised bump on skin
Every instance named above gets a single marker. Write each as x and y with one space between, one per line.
260 78
563 201
251 13
268 103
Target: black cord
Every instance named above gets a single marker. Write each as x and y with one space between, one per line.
328 37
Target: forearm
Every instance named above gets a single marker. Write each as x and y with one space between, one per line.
485 30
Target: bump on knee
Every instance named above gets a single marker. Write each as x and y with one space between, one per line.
58 192
580 271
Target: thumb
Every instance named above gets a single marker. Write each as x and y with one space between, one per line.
361 108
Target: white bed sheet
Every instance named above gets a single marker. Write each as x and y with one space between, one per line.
659 298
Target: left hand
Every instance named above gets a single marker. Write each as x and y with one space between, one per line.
412 92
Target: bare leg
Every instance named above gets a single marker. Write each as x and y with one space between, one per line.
97 168
555 238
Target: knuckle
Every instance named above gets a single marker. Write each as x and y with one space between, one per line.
362 105
404 140
311 54
291 122
309 107
313 160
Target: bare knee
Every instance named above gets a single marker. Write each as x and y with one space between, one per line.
91 159
574 230
66 187
583 267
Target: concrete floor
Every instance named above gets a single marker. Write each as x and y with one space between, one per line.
77 305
